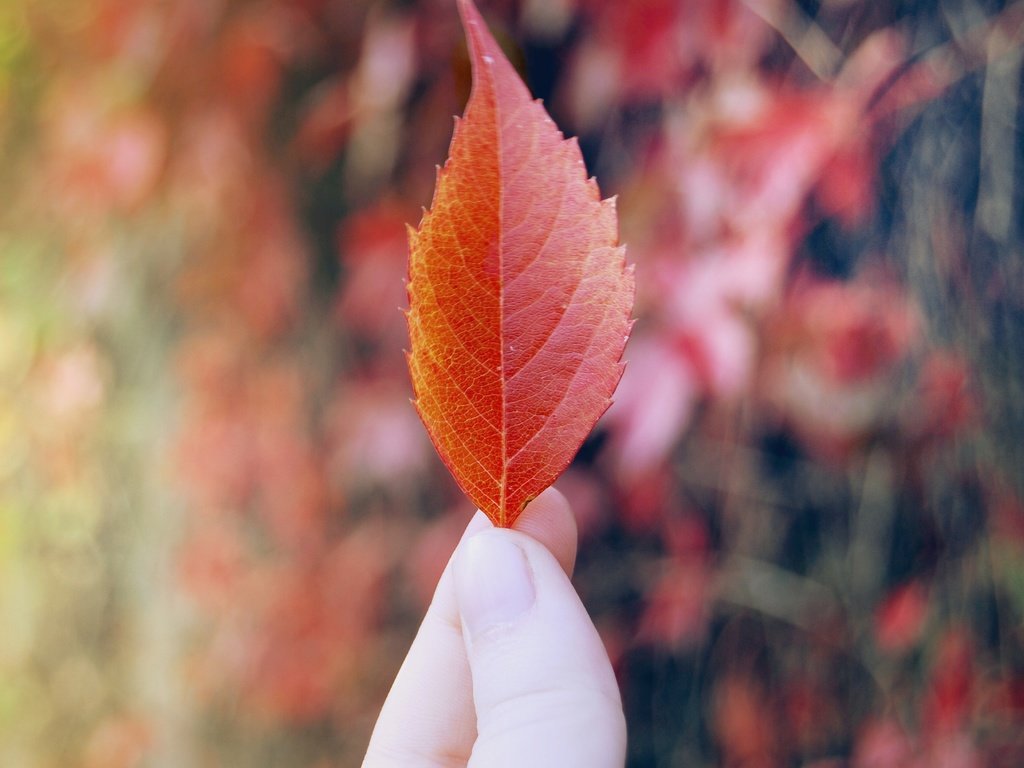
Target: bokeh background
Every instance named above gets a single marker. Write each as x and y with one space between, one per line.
801 523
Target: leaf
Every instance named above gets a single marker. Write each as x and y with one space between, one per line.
519 296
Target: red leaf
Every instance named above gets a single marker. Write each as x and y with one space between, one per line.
519 297
900 619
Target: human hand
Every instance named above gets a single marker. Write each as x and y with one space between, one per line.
507 668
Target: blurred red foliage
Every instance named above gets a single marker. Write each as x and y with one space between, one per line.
800 538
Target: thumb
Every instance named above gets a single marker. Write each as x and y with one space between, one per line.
543 687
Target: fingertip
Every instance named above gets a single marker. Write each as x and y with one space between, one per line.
549 520
543 687
493 582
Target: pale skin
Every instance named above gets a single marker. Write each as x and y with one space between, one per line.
507 668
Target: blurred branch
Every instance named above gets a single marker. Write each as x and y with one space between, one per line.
973 47
773 591
871 528
977 43
999 137
804 36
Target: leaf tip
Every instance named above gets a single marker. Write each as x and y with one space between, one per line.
470 17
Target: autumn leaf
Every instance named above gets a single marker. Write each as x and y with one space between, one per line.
519 295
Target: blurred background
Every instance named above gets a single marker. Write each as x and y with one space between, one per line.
802 522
